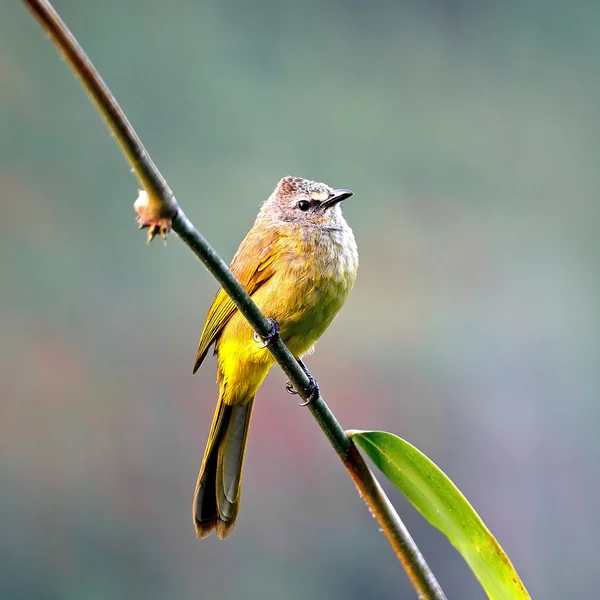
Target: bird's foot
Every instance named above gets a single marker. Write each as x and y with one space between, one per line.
271 338
312 390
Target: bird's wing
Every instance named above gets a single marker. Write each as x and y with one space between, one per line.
253 266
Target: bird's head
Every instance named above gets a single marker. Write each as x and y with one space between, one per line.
305 202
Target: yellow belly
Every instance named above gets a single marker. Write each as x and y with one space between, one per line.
303 300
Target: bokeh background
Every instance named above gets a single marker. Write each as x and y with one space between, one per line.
470 133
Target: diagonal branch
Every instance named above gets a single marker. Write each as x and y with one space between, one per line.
166 206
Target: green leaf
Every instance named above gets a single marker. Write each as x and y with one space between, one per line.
433 494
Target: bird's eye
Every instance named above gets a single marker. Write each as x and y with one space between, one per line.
304 205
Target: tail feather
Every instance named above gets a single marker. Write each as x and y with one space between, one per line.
217 497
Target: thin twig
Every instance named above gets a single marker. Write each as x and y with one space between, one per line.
150 177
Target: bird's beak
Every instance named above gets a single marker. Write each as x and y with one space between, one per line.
338 196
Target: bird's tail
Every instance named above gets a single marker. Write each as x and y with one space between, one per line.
217 496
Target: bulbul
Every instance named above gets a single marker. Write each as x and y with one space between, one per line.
298 263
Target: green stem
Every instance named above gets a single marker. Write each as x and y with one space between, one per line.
129 142
150 177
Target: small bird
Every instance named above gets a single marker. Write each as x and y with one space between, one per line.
298 263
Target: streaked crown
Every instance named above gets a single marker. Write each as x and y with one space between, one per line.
293 187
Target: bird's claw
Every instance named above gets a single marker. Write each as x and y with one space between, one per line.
312 390
271 338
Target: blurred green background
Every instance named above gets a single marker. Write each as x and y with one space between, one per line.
470 134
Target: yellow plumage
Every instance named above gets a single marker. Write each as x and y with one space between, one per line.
299 267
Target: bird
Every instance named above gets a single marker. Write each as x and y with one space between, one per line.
298 263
